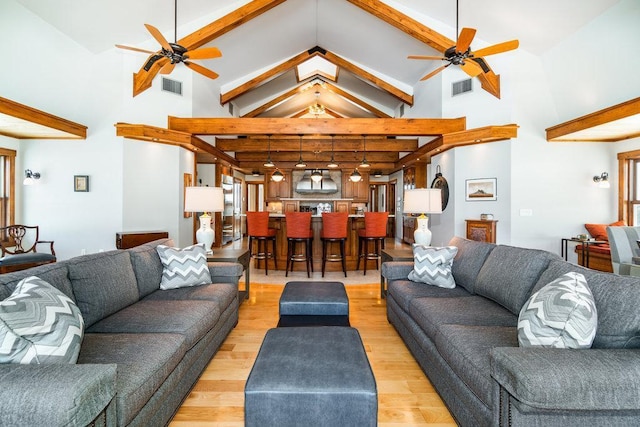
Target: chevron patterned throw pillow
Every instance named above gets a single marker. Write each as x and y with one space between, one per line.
183 267
433 265
39 325
560 315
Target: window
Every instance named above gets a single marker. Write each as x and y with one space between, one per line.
7 187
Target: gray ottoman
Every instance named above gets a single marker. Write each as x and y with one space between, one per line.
314 304
311 376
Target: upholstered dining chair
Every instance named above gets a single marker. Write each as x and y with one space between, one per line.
624 247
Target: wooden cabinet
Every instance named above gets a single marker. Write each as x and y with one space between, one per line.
358 191
481 230
408 227
130 239
278 190
343 206
290 206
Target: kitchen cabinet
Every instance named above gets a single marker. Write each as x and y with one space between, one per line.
290 206
343 206
358 191
278 190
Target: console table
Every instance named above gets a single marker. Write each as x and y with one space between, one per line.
586 244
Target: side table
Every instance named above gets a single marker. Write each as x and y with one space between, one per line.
586 244
240 256
393 254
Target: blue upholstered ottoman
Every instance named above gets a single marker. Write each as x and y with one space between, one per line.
314 304
311 376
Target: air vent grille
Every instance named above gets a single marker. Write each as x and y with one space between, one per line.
172 86
463 86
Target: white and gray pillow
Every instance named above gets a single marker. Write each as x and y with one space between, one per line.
432 265
562 314
39 324
183 267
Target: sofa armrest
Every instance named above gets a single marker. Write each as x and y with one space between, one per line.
396 270
55 395
585 380
225 272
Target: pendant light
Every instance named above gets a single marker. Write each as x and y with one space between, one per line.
364 163
301 163
316 175
355 176
332 163
277 176
269 163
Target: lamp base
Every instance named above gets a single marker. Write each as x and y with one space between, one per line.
422 235
205 233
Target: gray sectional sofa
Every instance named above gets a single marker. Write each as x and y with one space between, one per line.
466 341
143 348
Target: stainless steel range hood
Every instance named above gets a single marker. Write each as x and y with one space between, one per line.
325 186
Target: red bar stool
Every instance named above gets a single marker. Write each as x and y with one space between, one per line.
375 230
334 229
258 229
299 231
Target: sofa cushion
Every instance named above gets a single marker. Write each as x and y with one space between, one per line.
39 324
617 300
144 361
509 273
147 266
404 291
183 267
103 283
193 319
560 315
222 294
433 266
431 313
56 274
468 261
467 349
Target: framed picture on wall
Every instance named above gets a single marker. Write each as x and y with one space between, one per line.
81 183
481 189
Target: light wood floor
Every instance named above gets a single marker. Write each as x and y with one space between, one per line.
405 395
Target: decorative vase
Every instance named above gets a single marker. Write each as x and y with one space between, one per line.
205 233
422 234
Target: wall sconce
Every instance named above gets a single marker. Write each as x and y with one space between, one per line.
602 180
30 177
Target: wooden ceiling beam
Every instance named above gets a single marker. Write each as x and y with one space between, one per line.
69 129
324 156
143 79
219 155
365 105
292 143
148 133
275 101
311 164
265 126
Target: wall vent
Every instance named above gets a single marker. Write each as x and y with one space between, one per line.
172 86
231 109
401 112
463 86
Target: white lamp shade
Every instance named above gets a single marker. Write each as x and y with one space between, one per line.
203 199
423 201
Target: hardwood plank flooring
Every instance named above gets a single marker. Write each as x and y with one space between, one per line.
405 395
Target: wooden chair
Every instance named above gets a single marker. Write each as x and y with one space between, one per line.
14 256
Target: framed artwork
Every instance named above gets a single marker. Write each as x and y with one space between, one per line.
81 183
481 189
187 182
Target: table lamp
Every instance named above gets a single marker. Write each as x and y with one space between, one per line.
423 201
205 200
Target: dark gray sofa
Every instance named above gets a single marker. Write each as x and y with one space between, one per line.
143 348
465 340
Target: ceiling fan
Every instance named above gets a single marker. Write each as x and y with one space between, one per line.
175 52
471 62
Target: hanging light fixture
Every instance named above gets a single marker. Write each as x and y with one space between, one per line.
316 175
269 163
301 163
277 176
355 176
332 163
316 109
365 163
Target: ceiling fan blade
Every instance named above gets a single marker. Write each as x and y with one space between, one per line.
120 46
434 72
159 37
465 39
425 57
204 53
471 67
200 69
167 68
497 48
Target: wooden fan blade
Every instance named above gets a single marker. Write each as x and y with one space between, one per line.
425 57
204 53
159 37
471 67
167 68
120 46
497 48
465 39
200 69
434 72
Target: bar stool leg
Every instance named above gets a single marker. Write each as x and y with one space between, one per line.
366 255
275 258
324 255
289 252
307 247
359 252
265 248
344 262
